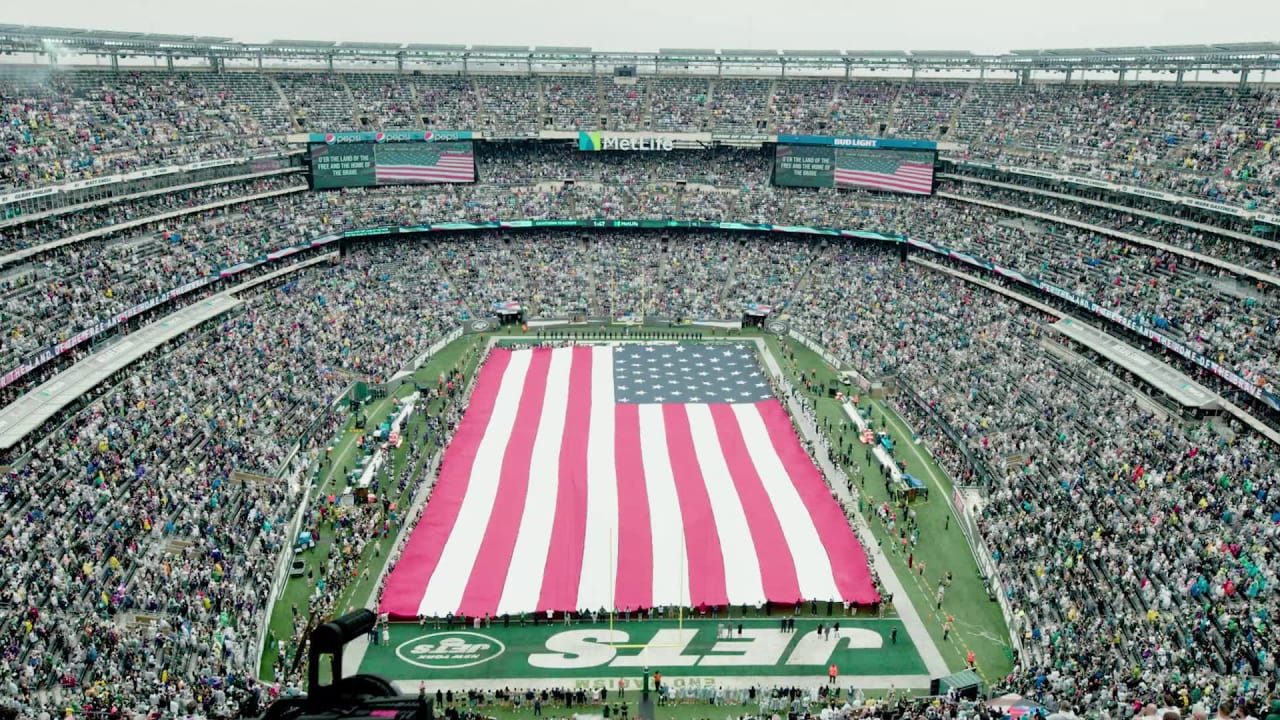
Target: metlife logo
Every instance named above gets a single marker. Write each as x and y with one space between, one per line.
597 141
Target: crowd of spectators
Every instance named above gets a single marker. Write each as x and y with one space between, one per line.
1213 142
60 126
1156 223
1136 549
758 701
1224 315
137 565
22 233
1229 317
59 292
533 163
1147 569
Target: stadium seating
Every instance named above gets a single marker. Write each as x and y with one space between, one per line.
1136 521
1205 141
383 98
1119 518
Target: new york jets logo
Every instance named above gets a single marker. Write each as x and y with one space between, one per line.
449 650
480 325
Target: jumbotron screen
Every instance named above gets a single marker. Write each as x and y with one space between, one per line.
904 171
364 164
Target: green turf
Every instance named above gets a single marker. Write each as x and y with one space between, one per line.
518 652
979 624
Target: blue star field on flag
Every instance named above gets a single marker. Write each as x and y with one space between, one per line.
688 373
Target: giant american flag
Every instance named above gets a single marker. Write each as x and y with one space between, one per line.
628 477
424 163
884 170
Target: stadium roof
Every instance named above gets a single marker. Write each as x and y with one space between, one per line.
43 40
811 53
500 48
875 53
942 53
682 52
749 53
561 50
158 39
307 44
371 46
435 47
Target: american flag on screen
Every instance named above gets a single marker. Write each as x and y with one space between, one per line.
882 171
625 477
434 163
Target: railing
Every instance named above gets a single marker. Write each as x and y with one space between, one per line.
282 571
982 469
830 359
982 554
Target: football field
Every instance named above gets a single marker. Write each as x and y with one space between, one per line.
697 652
677 466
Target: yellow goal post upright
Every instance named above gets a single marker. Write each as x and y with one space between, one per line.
613 604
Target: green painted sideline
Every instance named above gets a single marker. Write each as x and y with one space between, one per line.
979 625
498 652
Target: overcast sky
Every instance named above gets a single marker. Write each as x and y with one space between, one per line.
644 25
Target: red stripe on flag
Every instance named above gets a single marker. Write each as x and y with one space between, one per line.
634 566
777 566
418 561
848 561
568 532
489 573
701 537
880 177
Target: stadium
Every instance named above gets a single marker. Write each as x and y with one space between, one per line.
766 383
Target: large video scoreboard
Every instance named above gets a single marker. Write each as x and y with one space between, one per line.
362 164
874 168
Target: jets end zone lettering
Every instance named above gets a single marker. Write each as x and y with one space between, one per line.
449 650
579 649
595 648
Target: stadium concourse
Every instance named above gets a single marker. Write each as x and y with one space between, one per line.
1131 537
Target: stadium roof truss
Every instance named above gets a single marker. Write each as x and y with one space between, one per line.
50 41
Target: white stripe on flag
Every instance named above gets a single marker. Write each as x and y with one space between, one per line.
742 579
529 556
665 518
600 547
458 558
813 566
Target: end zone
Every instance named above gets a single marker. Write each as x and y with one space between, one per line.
870 653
